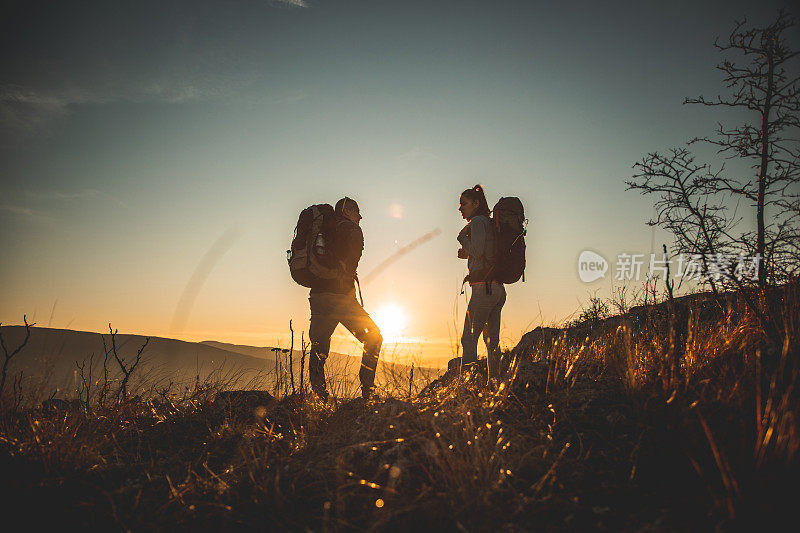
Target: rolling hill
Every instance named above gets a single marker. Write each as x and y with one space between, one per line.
49 361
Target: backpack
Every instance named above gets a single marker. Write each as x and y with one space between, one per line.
311 257
509 221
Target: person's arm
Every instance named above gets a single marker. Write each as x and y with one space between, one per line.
475 244
463 237
353 248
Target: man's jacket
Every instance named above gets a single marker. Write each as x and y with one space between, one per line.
347 247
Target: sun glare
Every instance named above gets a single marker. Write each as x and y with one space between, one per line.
391 318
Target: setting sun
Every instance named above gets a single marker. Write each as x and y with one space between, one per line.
391 318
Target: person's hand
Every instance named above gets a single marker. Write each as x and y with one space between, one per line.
462 253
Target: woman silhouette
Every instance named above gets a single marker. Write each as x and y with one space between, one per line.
488 296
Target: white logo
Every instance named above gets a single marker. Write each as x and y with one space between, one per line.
591 266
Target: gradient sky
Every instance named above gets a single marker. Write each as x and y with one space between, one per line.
145 147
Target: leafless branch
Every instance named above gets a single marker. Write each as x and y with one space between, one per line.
8 356
126 369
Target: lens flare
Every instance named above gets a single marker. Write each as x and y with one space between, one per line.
397 211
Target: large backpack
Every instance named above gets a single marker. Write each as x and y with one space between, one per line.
312 257
508 217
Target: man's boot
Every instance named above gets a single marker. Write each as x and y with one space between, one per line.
368 393
322 394
316 375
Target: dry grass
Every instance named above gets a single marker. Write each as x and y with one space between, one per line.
651 420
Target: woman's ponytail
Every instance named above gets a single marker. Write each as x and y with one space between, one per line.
476 194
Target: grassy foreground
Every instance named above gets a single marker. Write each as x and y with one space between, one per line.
678 416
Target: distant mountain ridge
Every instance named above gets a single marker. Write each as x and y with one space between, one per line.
52 354
259 351
49 359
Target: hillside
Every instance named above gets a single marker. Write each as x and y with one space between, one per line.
636 423
51 355
49 358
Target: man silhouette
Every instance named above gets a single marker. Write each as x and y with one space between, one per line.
334 302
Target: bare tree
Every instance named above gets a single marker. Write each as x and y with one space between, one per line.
8 356
785 239
105 388
16 391
124 367
693 211
303 349
700 206
622 300
411 381
277 370
695 214
669 283
595 312
86 385
291 363
764 86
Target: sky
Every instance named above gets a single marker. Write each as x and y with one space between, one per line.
154 156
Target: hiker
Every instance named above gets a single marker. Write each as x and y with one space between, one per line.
477 241
333 301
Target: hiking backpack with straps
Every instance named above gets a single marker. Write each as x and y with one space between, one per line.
312 256
508 217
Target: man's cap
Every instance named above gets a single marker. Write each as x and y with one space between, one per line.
345 202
